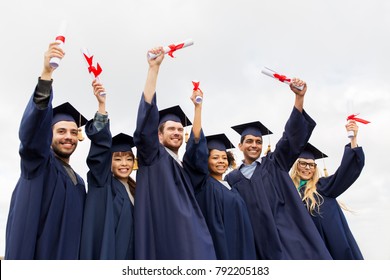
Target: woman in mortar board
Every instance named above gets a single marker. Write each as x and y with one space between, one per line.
319 195
108 228
225 212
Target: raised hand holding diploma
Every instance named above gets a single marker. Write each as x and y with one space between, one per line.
353 117
198 98
93 71
282 78
172 48
55 61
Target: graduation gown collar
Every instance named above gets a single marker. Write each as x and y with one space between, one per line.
175 156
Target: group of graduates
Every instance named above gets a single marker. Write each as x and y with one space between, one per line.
175 209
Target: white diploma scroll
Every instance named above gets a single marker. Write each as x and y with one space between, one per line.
55 61
350 133
353 117
198 98
173 47
93 71
271 73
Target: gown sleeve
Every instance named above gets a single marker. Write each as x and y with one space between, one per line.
297 132
35 136
195 160
349 170
99 156
146 133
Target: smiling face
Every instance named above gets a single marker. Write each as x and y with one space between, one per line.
306 168
217 163
122 165
64 140
171 135
251 147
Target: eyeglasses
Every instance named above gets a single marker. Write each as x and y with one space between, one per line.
303 164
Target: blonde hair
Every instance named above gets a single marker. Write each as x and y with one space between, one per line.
311 197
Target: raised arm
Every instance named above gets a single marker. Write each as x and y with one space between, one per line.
146 132
98 131
299 94
352 126
101 117
297 130
151 79
53 51
98 89
351 166
196 156
197 124
35 131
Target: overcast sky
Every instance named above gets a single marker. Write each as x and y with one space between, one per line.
340 48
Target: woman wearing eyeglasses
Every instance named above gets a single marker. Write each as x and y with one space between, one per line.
319 195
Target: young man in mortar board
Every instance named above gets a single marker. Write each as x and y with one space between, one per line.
46 210
281 226
169 223
319 195
108 227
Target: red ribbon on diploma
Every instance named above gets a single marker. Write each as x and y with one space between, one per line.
96 71
198 98
354 118
282 78
174 48
196 85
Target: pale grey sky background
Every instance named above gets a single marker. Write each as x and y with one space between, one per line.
340 48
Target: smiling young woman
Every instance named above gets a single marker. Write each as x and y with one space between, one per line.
319 196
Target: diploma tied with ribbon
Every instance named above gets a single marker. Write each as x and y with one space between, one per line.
173 47
93 71
354 118
55 61
198 98
282 78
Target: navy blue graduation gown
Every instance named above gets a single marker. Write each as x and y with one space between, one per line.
46 209
331 222
169 223
282 228
224 210
108 227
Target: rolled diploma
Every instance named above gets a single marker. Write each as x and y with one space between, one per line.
198 98
167 49
350 133
270 73
86 52
55 61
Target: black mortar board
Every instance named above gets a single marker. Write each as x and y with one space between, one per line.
311 152
122 143
255 128
219 142
66 112
175 114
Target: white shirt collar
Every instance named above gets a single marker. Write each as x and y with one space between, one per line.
174 155
253 163
226 184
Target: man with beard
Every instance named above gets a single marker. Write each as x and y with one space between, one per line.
169 224
45 216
